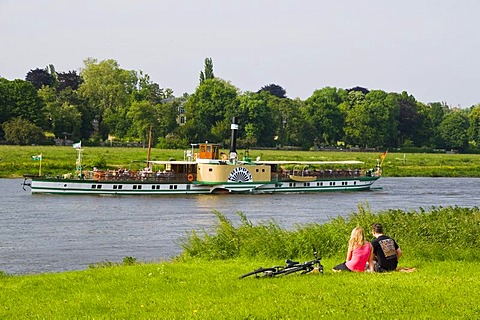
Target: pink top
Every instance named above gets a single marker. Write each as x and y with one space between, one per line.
359 258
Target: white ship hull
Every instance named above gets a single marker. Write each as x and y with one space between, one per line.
63 186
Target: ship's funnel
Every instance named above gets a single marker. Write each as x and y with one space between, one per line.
233 140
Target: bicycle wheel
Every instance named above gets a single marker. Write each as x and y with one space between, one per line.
260 273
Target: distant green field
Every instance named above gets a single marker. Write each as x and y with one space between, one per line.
16 161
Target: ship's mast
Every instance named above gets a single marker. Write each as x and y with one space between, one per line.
233 140
149 147
79 163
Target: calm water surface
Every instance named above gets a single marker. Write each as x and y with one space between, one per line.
48 233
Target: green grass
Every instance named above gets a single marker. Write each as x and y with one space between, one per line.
442 244
16 160
210 290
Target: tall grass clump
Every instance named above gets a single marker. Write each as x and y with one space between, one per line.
227 241
441 233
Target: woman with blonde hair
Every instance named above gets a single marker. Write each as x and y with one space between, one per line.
358 254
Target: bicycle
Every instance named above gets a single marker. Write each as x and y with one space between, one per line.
291 267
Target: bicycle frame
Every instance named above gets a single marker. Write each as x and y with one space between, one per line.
289 268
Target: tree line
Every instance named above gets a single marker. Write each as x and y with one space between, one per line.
105 102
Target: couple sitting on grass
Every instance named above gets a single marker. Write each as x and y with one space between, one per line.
379 256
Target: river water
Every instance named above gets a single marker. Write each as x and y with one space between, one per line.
53 233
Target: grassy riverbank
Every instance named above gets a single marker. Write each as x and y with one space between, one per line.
210 290
16 161
441 243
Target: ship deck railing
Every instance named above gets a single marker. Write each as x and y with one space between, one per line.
140 176
322 174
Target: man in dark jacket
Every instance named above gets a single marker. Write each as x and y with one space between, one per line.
386 251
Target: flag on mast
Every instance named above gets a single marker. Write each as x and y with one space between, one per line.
39 158
382 156
77 145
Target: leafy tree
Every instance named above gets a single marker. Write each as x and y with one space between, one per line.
353 97
167 114
453 130
358 130
53 73
474 125
162 118
298 131
40 77
19 98
107 89
275 90
143 116
438 112
63 117
65 110
5 101
150 91
384 118
22 132
220 131
409 119
324 115
208 71
424 133
194 131
68 80
290 128
115 122
68 119
256 116
51 104
62 111
369 121
390 127
435 115
214 101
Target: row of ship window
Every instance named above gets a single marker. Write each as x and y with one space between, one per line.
320 184
157 187
135 186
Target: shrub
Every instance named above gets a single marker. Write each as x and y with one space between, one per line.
22 132
171 142
129 261
100 163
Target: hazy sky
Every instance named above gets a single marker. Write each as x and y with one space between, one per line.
429 48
